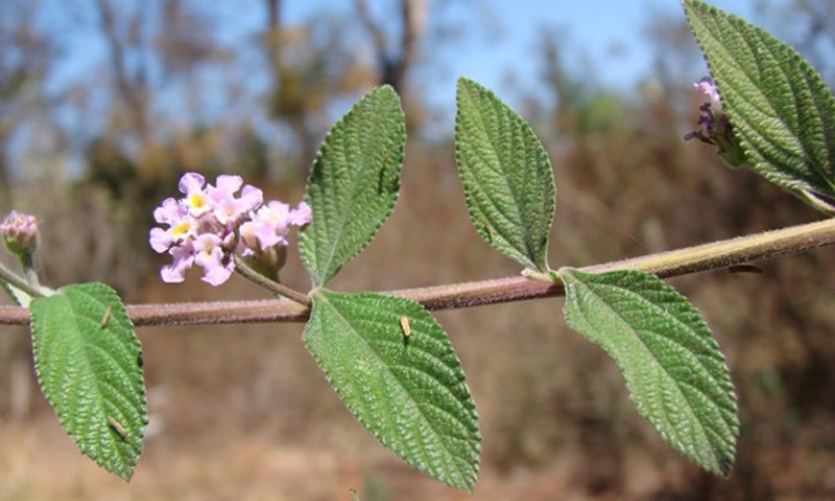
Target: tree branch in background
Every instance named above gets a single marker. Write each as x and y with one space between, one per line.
394 65
130 89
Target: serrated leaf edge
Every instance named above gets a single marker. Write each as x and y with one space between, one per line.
62 419
724 464
322 279
487 231
469 478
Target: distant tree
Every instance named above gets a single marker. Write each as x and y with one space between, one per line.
25 60
395 59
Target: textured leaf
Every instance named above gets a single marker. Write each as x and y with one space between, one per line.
354 183
780 109
400 378
88 362
674 371
507 177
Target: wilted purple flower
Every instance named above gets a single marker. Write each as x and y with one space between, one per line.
20 233
716 126
210 222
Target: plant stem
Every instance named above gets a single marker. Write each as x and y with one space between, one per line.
711 256
282 290
28 264
17 282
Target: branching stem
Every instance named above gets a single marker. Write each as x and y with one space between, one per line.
282 290
15 281
711 256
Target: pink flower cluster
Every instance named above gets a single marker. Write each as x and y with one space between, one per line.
211 223
19 232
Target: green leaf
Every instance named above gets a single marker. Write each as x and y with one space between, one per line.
89 366
675 373
400 378
507 177
780 109
354 183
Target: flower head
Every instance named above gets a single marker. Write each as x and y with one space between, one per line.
20 233
211 222
716 126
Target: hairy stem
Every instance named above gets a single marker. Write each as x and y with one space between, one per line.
28 264
24 285
282 290
712 256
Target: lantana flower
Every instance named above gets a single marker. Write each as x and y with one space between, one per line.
716 126
211 222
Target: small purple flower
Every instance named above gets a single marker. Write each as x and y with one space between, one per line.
197 201
20 233
706 86
716 126
272 222
181 225
227 208
209 254
302 215
183 259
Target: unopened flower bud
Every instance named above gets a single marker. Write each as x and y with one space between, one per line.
20 233
268 262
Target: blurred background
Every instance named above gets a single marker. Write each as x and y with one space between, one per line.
104 104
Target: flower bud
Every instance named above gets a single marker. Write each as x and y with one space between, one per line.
20 233
268 262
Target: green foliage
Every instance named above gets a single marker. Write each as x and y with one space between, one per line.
354 183
674 371
88 362
780 109
400 378
507 177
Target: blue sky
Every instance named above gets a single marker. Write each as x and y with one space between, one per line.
609 34
499 41
500 37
